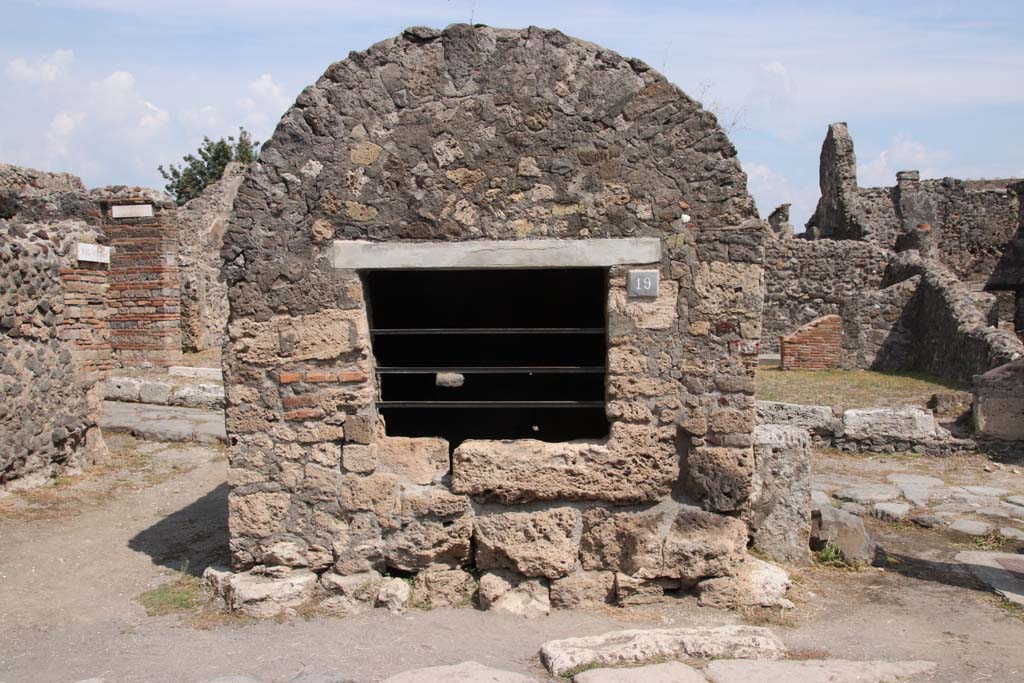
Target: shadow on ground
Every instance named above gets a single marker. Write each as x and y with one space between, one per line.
192 538
948 573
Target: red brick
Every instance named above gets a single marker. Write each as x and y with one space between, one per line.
321 377
303 414
351 376
300 401
289 377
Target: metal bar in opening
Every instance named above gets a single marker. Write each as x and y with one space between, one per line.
490 404
487 330
496 370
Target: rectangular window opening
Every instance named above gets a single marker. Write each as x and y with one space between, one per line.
490 354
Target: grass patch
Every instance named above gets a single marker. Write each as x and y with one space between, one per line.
183 594
1013 609
767 616
993 540
831 556
850 388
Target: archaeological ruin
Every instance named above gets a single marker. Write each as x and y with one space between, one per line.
486 315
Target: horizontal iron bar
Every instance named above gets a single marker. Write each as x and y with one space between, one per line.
490 404
487 330
497 370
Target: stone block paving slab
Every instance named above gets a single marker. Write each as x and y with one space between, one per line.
163 423
1002 572
818 671
466 672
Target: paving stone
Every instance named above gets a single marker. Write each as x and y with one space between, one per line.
1015 500
816 671
914 480
466 672
1002 572
667 672
890 512
635 646
971 527
1011 533
853 508
928 521
163 423
868 493
819 499
844 531
985 491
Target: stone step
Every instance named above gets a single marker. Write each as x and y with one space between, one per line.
163 423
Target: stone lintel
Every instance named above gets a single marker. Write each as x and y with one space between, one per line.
541 253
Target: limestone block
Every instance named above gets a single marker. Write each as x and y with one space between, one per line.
844 531
318 336
999 402
780 510
758 584
508 592
583 589
436 501
443 588
721 477
359 458
423 544
157 393
524 470
363 587
636 646
701 544
631 590
726 290
394 594
286 553
820 421
266 597
122 389
416 460
534 544
358 546
257 515
907 424
377 493
628 542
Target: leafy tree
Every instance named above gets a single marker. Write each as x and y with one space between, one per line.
188 181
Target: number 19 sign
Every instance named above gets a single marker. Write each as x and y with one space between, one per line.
643 283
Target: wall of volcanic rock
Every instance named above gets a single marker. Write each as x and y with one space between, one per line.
478 133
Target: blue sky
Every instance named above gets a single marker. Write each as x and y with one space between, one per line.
110 89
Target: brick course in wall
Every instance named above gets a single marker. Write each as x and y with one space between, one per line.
815 346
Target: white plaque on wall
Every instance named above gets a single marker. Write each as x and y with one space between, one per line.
131 210
97 253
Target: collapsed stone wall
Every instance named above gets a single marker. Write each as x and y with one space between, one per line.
808 279
204 296
54 349
953 336
973 219
480 133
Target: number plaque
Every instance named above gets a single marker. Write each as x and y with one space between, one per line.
643 283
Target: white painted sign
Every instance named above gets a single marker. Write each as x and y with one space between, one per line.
131 210
97 253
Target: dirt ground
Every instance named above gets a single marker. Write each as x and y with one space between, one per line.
75 559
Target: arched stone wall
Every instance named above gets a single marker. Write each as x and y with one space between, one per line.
473 134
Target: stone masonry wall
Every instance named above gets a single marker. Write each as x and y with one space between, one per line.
814 346
973 219
481 133
53 351
807 279
204 296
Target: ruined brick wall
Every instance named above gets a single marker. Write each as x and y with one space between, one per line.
53 351
144 292
480 133
204 295
814 346
807 279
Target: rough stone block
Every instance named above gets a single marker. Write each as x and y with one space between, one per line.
421 545
722 478
359 458
534 544
999 402
780 510
503 591
421 460
583 589
909 424
820 421
317 336
758 584
443 588
257 515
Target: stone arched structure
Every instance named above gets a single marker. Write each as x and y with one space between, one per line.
490 149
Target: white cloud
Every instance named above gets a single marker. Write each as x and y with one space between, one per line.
779 73
903 154
264 104
153 118
59 131
45 70
206 118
